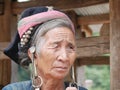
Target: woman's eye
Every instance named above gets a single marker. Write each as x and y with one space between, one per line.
71 47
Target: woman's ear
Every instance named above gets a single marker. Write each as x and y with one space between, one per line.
30 54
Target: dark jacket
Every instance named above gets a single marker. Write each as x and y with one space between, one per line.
27 85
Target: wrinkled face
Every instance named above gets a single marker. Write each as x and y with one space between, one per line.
57 54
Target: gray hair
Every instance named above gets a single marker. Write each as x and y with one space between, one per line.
38 39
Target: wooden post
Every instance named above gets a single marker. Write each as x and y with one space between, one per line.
115 44
5 22
87 30
1 7
5 64
105 30
80 69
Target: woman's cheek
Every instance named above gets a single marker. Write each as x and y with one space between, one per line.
73 57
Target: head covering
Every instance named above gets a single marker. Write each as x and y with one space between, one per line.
29 18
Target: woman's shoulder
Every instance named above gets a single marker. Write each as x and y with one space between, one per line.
24 85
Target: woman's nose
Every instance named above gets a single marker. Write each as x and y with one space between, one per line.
63 55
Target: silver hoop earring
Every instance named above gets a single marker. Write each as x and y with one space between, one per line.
36 79
73 83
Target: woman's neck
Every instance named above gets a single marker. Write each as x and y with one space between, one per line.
53 85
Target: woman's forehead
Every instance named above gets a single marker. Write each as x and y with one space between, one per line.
60 33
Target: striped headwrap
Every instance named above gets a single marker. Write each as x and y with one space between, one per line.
27 22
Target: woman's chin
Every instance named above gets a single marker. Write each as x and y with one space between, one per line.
59 76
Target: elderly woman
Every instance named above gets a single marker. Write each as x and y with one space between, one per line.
46 39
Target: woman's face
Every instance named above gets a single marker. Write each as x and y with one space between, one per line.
57 54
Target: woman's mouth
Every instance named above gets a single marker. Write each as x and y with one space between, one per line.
61 69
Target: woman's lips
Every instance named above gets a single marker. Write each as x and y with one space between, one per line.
61 68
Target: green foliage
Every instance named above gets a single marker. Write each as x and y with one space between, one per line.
95 34
100 76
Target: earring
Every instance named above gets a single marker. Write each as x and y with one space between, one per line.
36 79
73 83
